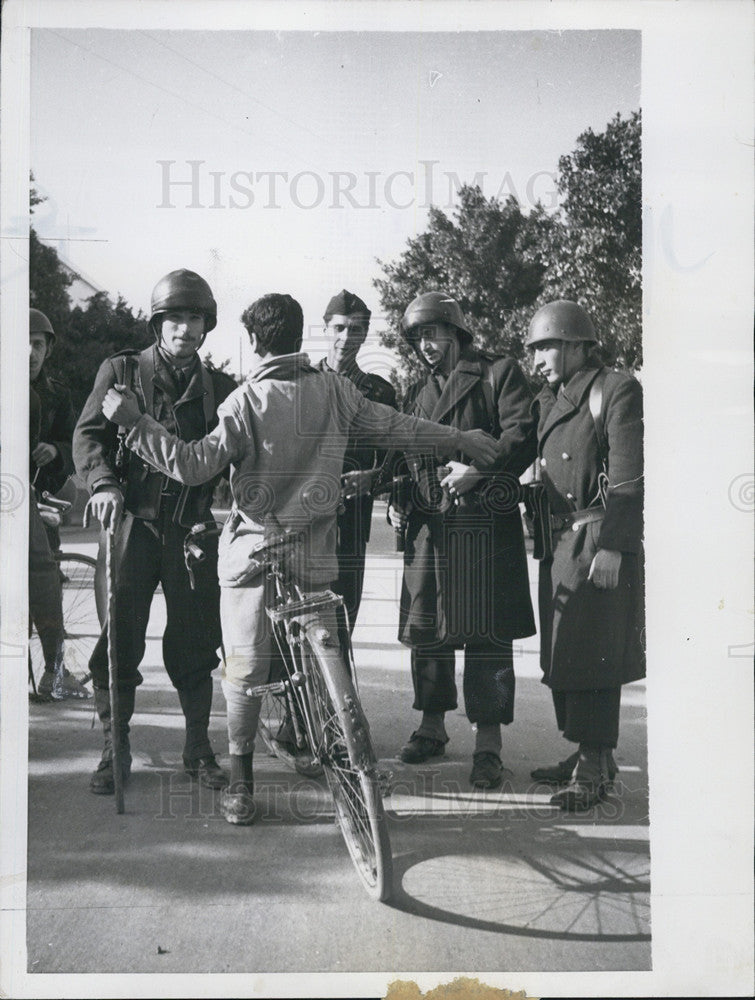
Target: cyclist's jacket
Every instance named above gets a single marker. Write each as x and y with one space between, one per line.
189 412
284 433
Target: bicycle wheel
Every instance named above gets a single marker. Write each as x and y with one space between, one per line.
272 723
274 726
81 622
346 753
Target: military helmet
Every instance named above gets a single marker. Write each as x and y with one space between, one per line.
184 290
434 307
39 323
560 320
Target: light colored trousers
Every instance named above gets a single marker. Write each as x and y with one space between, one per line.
247 644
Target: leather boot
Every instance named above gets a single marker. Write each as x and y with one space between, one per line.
561 773
237 801
588 785
102 781
199 760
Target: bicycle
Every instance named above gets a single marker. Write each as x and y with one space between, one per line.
316 705
82 615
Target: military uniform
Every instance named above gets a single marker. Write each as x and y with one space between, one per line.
355 520
56 425
592 639
158 512
465 579
591 599
45 599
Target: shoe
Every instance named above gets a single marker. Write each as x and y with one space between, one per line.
69 687
44 688
487 770
588 786
561 773
237 807
421 748
102 781
557 774
206 771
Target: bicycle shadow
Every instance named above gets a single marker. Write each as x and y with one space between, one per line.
525 873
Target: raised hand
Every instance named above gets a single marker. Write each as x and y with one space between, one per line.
121 406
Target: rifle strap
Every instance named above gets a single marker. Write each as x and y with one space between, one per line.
488 392
596 412
208 402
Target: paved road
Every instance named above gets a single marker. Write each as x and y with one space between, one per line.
484 881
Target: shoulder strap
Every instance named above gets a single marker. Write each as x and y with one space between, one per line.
208 401
596 412
128 370
488 390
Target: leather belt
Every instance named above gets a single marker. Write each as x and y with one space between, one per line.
576 519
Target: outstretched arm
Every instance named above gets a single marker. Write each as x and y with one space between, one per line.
384 427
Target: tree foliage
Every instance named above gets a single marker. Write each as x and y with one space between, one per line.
85 337
501 264
594 253
482 257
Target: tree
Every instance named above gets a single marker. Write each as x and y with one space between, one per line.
93 334
85 337
482 257
594 249
48 282
501 264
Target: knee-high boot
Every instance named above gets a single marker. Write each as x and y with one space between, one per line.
198 757
102 781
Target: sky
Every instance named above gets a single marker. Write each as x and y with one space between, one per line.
292 161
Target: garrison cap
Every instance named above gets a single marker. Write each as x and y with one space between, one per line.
345 304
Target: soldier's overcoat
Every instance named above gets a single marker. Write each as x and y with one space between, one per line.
465 567
592 638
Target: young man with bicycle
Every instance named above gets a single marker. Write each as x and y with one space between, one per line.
284 433
152 513
347 321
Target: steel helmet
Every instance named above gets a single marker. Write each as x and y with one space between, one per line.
434 307
184 290
39 323
560 320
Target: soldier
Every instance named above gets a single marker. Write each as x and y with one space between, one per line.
173 386
51 460
590 591
465 569
45 596
347 321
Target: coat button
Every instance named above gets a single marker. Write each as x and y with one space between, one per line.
569 496
542 463
565 455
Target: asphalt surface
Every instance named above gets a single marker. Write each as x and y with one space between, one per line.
484 881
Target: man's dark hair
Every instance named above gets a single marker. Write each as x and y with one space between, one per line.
278 323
